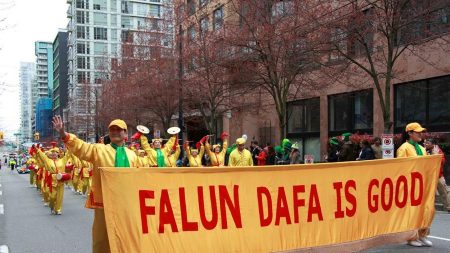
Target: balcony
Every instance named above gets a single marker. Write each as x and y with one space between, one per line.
69 12
69 1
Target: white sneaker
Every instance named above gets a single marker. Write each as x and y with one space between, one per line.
425 242
415 243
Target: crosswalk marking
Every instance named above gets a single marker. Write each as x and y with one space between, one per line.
4 249
439 238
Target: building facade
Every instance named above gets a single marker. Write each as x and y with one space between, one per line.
97 29
351 104
26 79
43 87
44 114
60 73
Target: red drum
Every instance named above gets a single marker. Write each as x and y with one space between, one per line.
63 177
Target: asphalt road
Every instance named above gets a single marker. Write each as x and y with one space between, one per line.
26 226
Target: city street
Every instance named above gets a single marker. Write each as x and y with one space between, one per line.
28 227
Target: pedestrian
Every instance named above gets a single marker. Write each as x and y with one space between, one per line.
376 147
100 155
433 149
255 150
262 157
12 164
366 151
295 157
333 153
270 158
411 148
240 156
349 150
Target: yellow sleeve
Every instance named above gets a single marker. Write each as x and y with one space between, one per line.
145 145
177 152
169 144
225 147
47 162
401 151
208 148
82 150
202 151
188 151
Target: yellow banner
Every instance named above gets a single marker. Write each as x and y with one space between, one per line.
267 209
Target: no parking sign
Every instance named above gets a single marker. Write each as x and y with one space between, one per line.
387 144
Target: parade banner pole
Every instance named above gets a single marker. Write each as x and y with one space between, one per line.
330 207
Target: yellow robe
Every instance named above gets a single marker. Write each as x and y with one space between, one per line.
217 160
100 155
55 167
238 159
408 150
152 153
174 157
195 161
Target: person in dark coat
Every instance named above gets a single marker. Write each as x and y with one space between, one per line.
348 151
366 151
333 153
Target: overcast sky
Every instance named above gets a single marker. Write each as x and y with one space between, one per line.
26 22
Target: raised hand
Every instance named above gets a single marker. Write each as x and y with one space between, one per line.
58 125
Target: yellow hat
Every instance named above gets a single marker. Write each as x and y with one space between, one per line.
216 146
157 139
240 141
56 149
415 127
118 122
194 150
141 151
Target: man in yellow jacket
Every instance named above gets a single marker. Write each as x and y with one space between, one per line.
114 154
240 156
411 148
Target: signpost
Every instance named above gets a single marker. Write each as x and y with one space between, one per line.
387 145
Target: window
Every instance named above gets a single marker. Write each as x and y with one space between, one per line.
142 9
204 25
100 33
100 48
338 40
127 7
113 5
82 4
126 22
351 111
218 18
100 63
191 33
83 48
191 7
304 116
99 5
82 32
362 33
127 36
155 11
82 17
114 35
83 62
431 105
101 19
203 2
113 20
96 6
282 8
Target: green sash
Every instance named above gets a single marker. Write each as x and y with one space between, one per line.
417 147
121 156
160 158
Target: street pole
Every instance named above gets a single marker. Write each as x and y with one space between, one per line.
180 87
